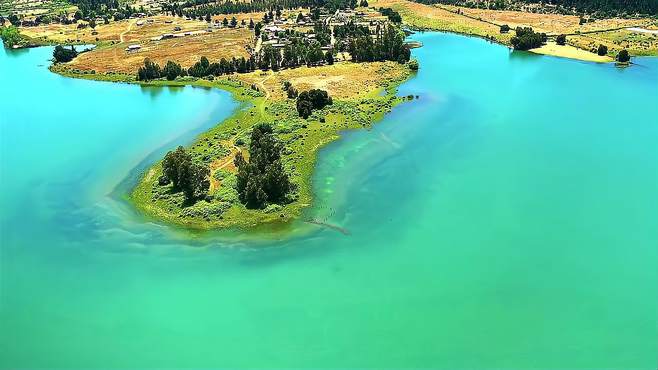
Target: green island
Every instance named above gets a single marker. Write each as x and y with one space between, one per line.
301 139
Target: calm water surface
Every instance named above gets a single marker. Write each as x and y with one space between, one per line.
508 218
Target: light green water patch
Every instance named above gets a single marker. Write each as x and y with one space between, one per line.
505 219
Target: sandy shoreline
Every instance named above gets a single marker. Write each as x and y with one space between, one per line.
568 51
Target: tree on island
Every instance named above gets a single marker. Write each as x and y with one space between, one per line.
527 39
504 28
186 175
262 180
63 55
623 56
307 101
561 40
602 50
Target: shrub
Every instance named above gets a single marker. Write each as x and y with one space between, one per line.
526 39
623 56
602 50
561 40
308 101
63 55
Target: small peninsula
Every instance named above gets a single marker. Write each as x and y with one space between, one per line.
307 77
303 73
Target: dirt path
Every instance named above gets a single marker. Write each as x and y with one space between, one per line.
128 29
222 163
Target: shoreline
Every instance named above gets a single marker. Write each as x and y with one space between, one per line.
422 17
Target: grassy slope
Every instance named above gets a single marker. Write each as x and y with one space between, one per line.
302 139
485 23
428 17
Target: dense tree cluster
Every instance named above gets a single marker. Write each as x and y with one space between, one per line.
149 71
262 180
63 55
526 39
388 45
172 70
350 29
204 68
202 8
90 9
10 36
186 175
308 101
298 52
392 15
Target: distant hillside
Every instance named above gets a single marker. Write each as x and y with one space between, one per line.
629 6
602 7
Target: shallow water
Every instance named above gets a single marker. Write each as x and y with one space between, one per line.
505 219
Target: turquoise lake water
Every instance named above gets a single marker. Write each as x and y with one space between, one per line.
505 219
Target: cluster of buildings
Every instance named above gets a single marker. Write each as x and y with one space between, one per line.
274 30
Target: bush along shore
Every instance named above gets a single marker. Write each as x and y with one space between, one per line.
253 169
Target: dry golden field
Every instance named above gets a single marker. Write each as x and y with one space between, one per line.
222 43
126 30
552 24
486 23
431 17
637 43
342 80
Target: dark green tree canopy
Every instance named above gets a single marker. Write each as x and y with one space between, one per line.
308 101
623 56
186 175
561 39
527 39
63 55
262 180
602 50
